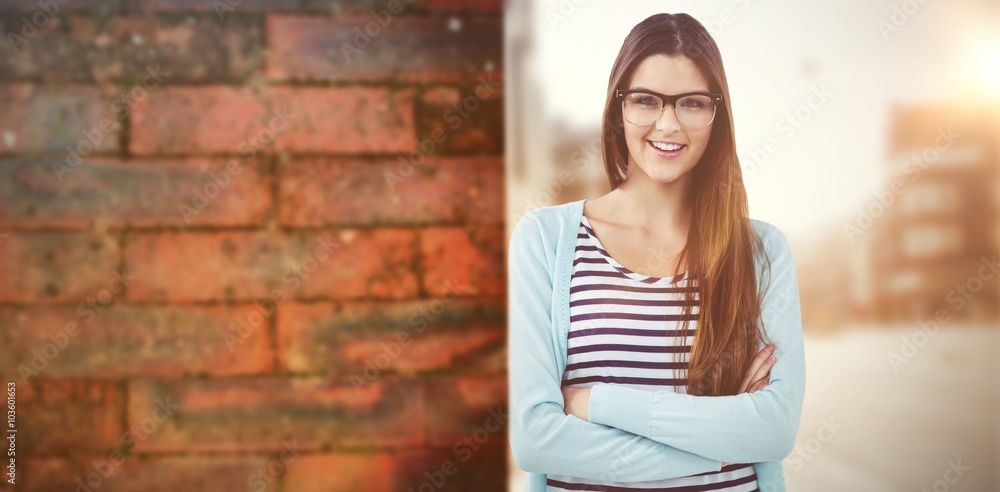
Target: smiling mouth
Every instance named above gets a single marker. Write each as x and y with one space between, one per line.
670 149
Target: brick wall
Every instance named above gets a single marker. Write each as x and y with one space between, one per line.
253 244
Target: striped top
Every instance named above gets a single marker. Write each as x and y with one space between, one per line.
625 329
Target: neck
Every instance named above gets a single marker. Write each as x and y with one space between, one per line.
654 206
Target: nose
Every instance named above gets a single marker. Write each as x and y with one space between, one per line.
667 123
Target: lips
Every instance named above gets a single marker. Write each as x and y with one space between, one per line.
667 150
667 146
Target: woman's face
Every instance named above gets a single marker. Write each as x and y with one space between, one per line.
667 75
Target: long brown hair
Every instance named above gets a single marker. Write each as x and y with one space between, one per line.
722 243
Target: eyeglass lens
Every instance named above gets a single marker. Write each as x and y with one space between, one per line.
643 109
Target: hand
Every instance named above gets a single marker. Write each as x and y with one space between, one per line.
759 374
576 402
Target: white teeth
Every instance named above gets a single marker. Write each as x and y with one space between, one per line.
665 146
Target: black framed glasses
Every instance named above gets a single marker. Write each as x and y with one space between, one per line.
643 107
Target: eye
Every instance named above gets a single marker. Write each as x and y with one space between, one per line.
647 100
693 103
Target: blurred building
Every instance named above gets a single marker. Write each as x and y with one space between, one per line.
832 289
935 225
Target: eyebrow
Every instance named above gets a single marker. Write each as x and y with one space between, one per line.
640 88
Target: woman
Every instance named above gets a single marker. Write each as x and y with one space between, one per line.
655 334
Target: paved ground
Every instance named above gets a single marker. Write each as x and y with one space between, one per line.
896 431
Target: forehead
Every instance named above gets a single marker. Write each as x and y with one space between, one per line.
669 75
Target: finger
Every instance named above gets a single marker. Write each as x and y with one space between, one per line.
763 371
759 385
757 362
760 382
763 384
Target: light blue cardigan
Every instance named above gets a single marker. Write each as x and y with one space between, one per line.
637 435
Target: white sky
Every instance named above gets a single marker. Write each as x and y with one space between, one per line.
774 53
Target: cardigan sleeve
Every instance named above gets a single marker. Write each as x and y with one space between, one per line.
543 438
745 428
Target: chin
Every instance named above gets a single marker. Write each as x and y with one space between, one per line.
667 181
664 178
666 173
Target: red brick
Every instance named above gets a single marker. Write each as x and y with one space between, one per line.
60 417
407 48
472 257
137 474
467 406
55 267
190 48
128 341
48 119
364 7
469 6
466 120
208 266
45 474
474 466
410 7
315 192
190 473
148 193
230 120
258 414
98 7
368 339
64 49
381 472
225 8
358 7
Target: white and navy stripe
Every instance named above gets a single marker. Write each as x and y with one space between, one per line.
625 328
